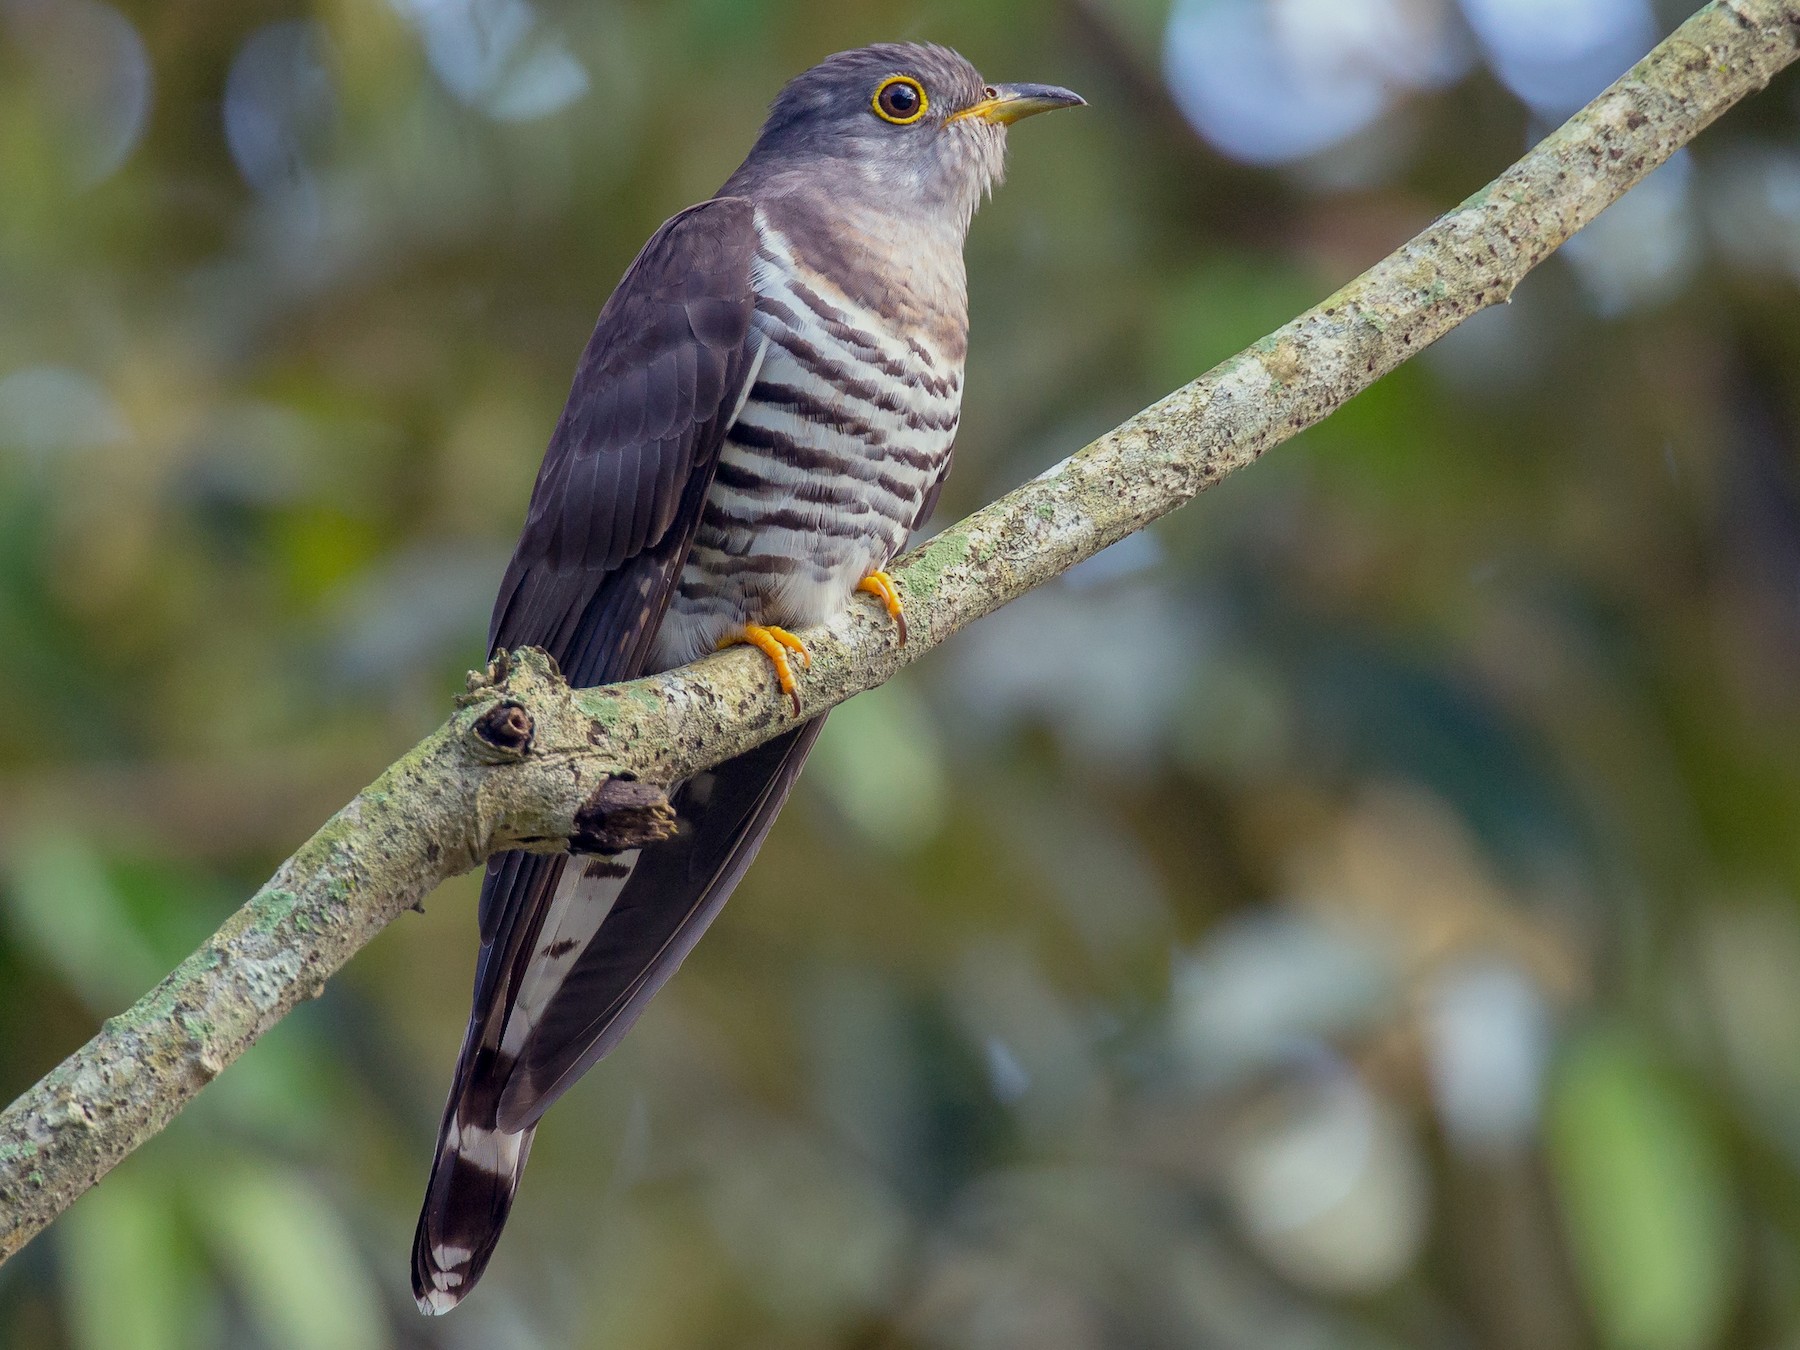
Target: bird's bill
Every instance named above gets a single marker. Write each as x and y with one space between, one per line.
1009 102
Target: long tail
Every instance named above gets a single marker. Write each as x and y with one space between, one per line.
467 1199
572 952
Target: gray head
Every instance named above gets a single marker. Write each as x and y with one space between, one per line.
899 123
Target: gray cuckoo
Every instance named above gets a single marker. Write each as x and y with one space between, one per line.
763 415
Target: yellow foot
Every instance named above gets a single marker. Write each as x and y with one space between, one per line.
881 586
775 643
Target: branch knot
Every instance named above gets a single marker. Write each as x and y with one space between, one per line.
620 815
502 734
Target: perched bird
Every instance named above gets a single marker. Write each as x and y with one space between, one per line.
763 415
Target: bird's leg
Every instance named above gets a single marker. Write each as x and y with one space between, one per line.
880 585
775 643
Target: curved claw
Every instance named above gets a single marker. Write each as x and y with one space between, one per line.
775 643
881 586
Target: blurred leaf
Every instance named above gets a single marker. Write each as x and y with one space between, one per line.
1644 1197
323 549
1228 304
292 1257
173 907
881 764
284 1093
128 1284
65 905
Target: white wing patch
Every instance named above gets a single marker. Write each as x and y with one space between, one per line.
493 1151
584 897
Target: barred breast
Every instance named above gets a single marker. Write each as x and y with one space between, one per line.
845 431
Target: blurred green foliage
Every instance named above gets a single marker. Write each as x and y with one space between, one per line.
1361 912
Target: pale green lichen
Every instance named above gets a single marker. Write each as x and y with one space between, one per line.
600 705
925 569
270 909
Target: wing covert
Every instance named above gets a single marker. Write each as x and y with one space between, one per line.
652 397
611 518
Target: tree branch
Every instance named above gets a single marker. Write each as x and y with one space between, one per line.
528 762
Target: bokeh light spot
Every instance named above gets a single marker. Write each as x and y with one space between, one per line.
93 78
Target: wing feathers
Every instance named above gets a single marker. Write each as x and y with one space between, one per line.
653 918
687 298
610 520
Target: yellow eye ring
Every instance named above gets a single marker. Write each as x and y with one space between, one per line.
900 99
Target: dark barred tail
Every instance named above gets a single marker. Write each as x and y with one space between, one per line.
473 1178
572 951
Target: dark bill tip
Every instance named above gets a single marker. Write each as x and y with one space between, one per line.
1010 102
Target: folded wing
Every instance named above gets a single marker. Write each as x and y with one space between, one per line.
611 518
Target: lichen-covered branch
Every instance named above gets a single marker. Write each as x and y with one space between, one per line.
528 762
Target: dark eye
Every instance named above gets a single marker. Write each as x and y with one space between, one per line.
900 99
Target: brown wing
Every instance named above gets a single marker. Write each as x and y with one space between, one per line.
656 907
619 493
610 522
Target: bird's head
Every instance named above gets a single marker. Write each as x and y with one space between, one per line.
901 126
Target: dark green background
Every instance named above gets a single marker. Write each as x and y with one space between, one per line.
1114 975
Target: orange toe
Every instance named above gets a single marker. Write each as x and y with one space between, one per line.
775 643
881 586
